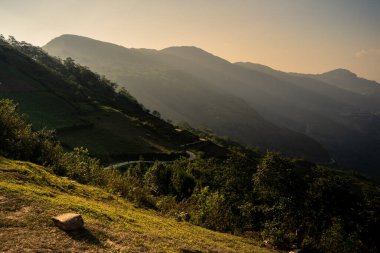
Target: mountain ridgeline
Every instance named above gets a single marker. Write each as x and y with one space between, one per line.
85 109
297 114
184 90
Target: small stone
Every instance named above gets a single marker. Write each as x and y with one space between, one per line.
68 221
185 216
182 216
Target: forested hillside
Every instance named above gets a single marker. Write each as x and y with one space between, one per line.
183 90
252 104
280 202
85 109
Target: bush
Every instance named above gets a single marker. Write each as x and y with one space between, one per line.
79 166
183 183
210 210
158 179
19 141
336 240
167 205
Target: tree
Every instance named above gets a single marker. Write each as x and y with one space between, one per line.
80 166
158 179
16 136
211 210
279 199
156 114
183 183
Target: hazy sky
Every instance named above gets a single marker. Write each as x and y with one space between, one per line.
309 36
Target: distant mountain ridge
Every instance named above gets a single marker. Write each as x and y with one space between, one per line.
159 80
190 84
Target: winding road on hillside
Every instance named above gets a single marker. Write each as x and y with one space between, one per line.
191 156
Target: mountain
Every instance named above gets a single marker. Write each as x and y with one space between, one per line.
337 109
85 110
347 80
188 84
349 126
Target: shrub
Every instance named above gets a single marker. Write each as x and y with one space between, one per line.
79 166
210 210
167 205
183 183
158 179
17 139
336 240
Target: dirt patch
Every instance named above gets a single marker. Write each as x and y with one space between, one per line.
3 199
115 246
20 213
42 239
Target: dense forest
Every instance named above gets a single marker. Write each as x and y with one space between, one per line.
286 202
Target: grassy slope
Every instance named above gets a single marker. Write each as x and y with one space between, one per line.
115 133
30 195
43 108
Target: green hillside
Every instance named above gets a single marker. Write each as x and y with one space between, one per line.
84 108
30 195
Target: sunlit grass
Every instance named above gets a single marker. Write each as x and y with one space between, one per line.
116 223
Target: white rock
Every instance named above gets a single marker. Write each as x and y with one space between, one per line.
68 221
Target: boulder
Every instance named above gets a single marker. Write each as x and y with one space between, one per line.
68 221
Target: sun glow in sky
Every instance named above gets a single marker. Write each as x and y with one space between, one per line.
305 36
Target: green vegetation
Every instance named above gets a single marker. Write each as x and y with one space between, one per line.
84 108
30 195
38 106
284 202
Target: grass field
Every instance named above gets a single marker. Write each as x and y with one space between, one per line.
30 196
44 109
14 80
115 133
110 132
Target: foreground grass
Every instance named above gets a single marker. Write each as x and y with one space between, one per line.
30 196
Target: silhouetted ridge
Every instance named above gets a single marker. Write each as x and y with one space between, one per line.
338 109
341 73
